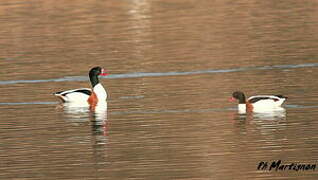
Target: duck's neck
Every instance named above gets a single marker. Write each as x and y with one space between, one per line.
98 88
94 80
100 92
242 108
242 99
242 104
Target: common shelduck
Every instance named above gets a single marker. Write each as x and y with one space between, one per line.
87 96
258 103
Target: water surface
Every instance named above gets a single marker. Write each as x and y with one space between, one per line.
173 65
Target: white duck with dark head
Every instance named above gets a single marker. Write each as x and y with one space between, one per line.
258 103
85 95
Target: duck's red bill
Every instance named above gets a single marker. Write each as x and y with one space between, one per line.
232 99
104 73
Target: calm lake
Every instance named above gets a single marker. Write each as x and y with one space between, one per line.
173 66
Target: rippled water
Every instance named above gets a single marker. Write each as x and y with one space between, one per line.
173 65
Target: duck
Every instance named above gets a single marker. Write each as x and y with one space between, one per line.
87 96
258 102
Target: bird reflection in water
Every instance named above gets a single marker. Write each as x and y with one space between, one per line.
272 114
95 114
266 121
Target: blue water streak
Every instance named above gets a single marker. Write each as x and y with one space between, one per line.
27 103
162 74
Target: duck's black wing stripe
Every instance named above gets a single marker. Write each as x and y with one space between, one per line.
58 92
281 96
85 91
254 100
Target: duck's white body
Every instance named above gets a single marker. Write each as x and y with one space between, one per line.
82 95
259 103
269 101
74 95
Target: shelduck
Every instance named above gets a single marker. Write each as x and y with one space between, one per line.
258 103
88 96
